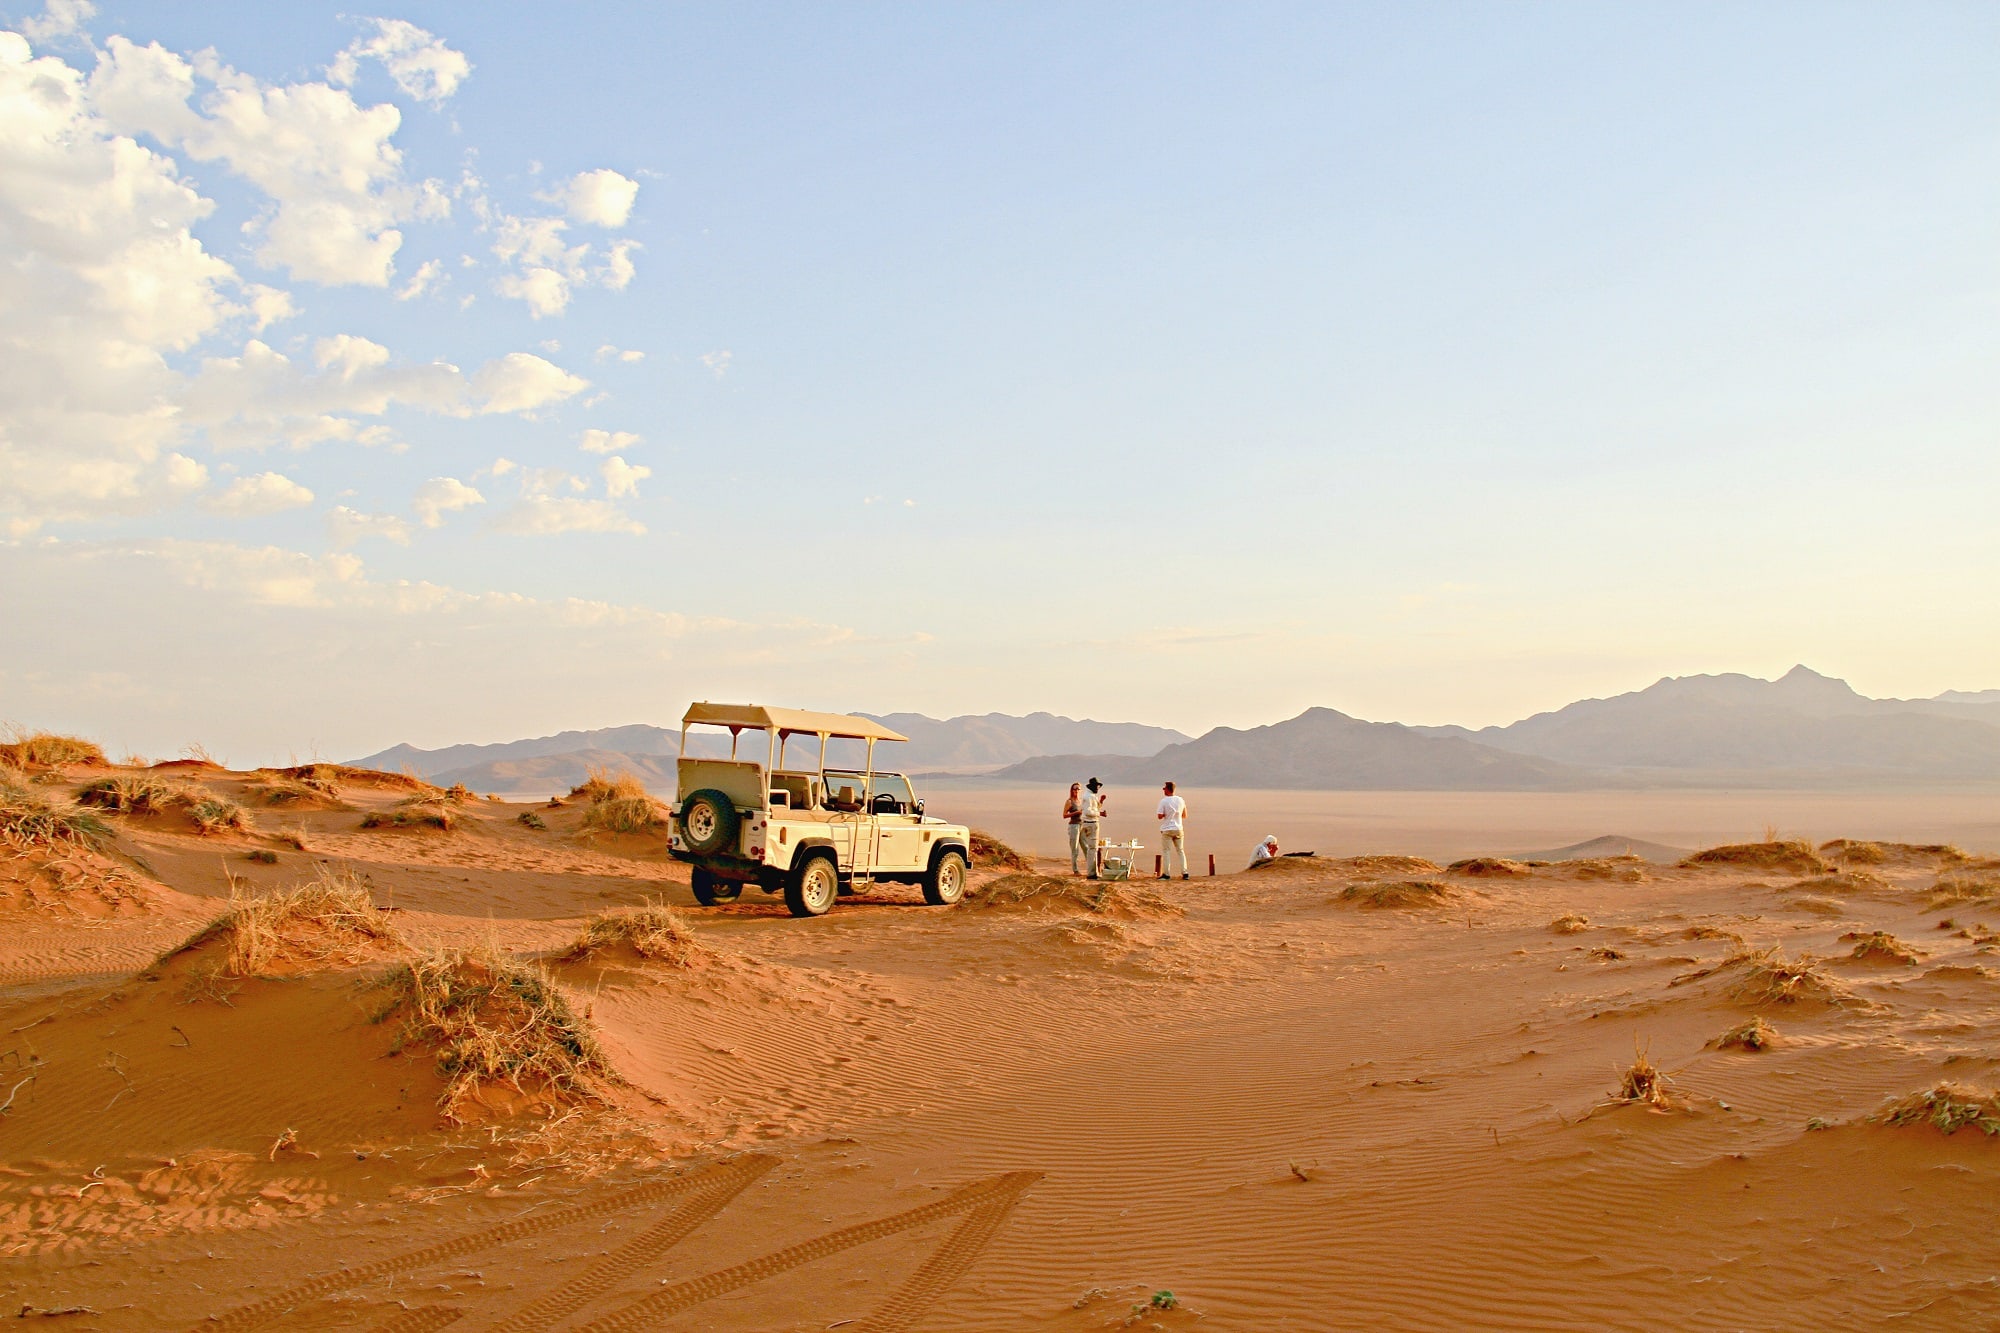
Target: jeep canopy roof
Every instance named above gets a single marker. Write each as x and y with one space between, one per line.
789 721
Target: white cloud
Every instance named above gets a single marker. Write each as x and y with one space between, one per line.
546 516
601 198
717 363
327 165
442 495
265 493
545 267
422 65
345 527
428 278
519 382
606 441
263 397
626 354
621 479
58 19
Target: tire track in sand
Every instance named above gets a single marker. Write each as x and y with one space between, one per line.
995 1196
945 1266
709 1199
424 1319
652 1192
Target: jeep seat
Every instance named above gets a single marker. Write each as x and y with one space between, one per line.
845 799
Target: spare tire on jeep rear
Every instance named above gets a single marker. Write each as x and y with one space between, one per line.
708 822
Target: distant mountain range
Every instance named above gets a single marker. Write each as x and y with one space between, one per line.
1803 729
959 744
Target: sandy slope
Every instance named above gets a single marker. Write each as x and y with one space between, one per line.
1289 1109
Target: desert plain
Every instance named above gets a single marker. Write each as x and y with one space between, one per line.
324 1048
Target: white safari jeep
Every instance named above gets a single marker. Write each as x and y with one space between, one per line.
809 832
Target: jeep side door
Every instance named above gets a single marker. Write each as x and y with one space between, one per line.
899 839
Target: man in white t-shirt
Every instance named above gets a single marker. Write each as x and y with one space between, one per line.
1090 813
1173 832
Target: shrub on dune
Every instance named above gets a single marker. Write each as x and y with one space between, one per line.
1397 893
1754 1035
988 850
1570 923
492 1021
1970 888
42 749
617 805
1948 1108
32 817
1794 856
330 918
1878 946
1766 976
654 931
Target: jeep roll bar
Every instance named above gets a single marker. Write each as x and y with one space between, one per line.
781 724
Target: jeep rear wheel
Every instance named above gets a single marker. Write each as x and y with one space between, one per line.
944 884
708 822
813 887
710 890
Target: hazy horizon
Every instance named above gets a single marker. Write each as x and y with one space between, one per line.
452 375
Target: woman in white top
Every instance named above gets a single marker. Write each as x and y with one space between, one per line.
1267 850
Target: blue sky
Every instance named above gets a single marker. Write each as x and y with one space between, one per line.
1189 364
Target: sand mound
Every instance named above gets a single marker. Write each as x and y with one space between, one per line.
326 922
1753 1035
1386 865
1954 889
1794 857
1766 977
1029 892
293 794
71 880
418 812
1489 867
497 1028
333 776
654 932
1842 881
618 804
1623 869
988 850
1878 946
1398 893
1947 1108
1856 852
1570 923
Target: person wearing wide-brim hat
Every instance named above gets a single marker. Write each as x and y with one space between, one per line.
1090 812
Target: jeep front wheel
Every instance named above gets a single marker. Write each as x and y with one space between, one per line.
813 886
710 890
945 882
708 822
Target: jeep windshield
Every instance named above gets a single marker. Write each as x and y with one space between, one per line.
879 793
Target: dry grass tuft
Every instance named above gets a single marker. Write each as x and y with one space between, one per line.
1948 1108
297 794
1755 1035
214 814
1027 891
1795 857
492 1022
42 749
1570 923
1878 946
1967 888
327 920
416 812
654 931
601 785
148 794
1489 867
1645 1083
1767 977
134 793
1397 893
38 818
988 850
529 819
